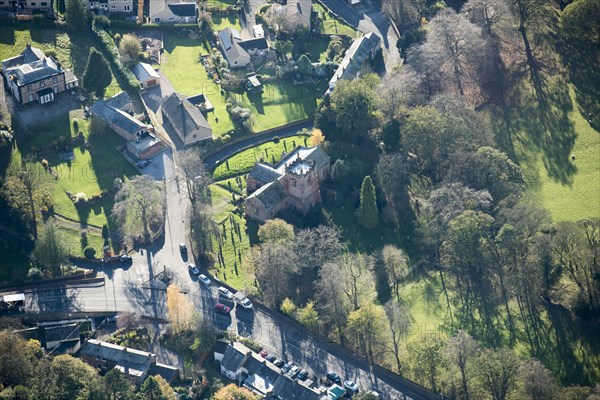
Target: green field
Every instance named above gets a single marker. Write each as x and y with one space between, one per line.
228 21
243 162
188 77
72 48
330 25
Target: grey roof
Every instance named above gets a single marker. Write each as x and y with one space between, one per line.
220 346
197 99
116 117
183 116
116 353
183 9
233 358
264 172
64 333
316 154
168 372
254 364
288 389
119 101
143 71
230 43
355 57
32 66
258 43
70 76
270 195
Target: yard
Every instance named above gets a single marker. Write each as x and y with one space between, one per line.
72 48
230 20
328 24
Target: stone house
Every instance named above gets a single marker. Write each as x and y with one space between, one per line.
180 118
238 52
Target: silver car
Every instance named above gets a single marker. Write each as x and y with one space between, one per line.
204 279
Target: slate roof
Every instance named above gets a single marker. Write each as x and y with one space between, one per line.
183 116
258 43
129 361
355 57
270 195
116 117
30 66
288 389
65 333
264 173
220 346
143 71
230 39
254 364
183 9
168 372
120 101
233 358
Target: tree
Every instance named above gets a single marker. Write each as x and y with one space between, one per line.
97 75
288 307
316 246
128 320
50 251
368 214
70 377
27 188
282 48
461 351
105 233
156 388
276 231
304 65
577 21
130 49
426 362
365 396
117 384
205 23
18 359
76 14
353 105
399 321
307 315
334 306
497 372
274 267
194 173
405 13
201 226
396 266
537 382
233 392
316 137
140 207
367 324
180 309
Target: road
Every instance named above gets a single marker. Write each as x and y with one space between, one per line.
226 152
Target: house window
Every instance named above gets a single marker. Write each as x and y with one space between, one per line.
42 83
55 80
127 8
171 18
29 88
157 20
44 4
194 136
30 97
32 4
112 7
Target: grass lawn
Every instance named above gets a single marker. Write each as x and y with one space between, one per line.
330 25
243 162
233 185
91 171
283 102
221 3
72 240
229 21
569 189
72 48
316 49
189 77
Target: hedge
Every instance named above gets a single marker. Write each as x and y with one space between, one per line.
166 27
110 48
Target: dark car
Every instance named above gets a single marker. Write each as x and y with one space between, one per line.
279 363
270 358
287 366
302 375
333 377
222 309
182 248
125 258
143 163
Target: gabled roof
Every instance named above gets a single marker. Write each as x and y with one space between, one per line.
355 57
264 172
183 9
30 66
220 346
230 44
316 154
269 195
183 116
257 43
288 389
143 71
121 101
127 357
116 117
234 358
254 363
64 333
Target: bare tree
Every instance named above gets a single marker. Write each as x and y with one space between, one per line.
332 304
536 380
358 283
194 172
140 207
405 13
497 372
317 246
274 266
396 267
461 350
399 89
399 320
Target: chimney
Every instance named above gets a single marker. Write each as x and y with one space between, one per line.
28 46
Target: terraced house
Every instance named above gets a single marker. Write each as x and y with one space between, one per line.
31 76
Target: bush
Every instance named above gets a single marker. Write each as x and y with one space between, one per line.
102 21
50 53
80 198
89 252
35 274
276 139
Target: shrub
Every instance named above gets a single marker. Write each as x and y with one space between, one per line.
89 252
50 53
276 139
80 198
35 274
102 21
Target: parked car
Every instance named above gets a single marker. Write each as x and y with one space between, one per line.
222 309
287 366
294 371
263 353
333 377
204 279
143 163
351 386
240 298
125 258
302 375
270 358
182 248
193 269
246 303
223 291
279 363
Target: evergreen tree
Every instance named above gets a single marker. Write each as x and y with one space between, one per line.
97 75
76 14
368 215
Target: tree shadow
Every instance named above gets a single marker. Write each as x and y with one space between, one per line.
7 35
